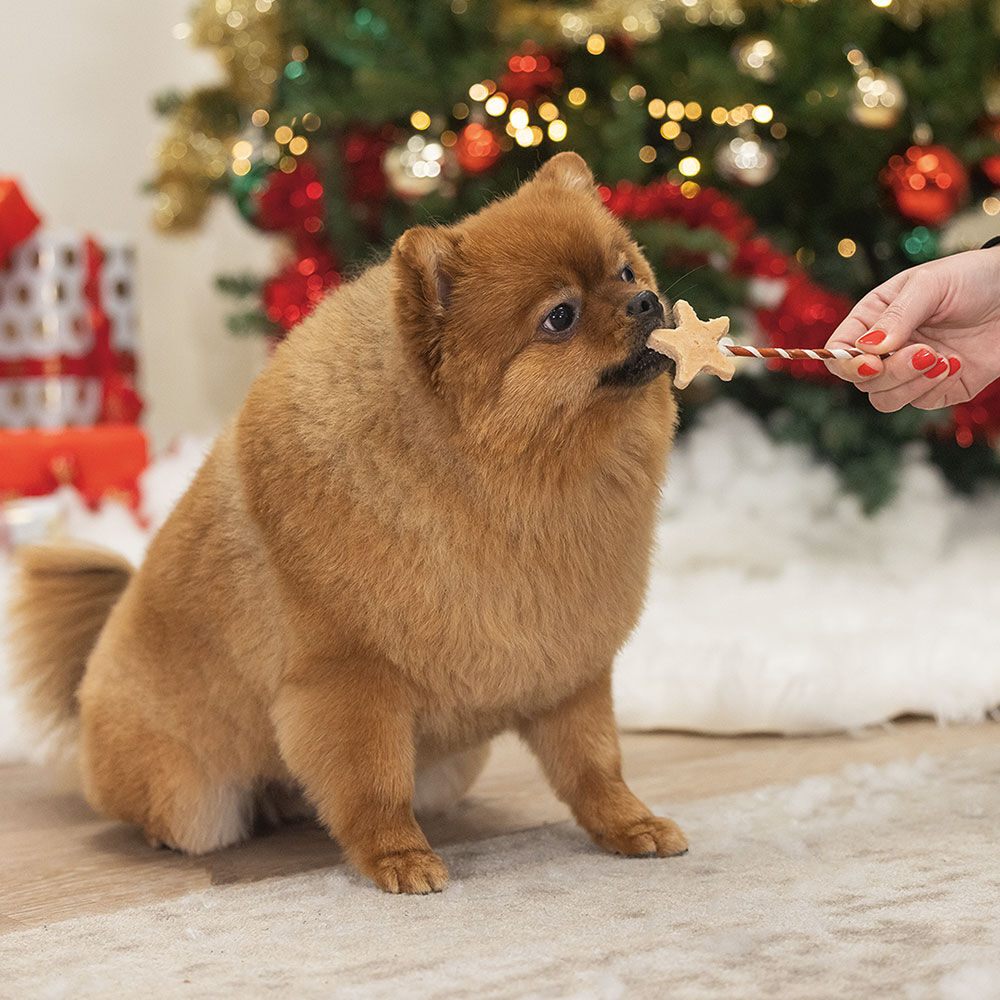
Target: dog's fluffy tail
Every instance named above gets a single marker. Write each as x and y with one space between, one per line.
62 598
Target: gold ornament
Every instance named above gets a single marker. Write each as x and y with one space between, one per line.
991 94
746 159
878 99
756 56
972 228
418 167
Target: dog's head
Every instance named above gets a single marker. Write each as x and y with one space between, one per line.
532 311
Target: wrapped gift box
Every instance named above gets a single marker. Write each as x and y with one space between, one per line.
103 461
67 332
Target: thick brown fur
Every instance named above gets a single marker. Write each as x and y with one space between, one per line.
430 522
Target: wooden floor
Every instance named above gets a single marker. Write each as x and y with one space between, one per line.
59 860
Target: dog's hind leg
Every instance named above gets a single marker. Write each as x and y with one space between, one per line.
134 773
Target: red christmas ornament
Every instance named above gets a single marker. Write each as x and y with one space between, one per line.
979 418
294 291
290 201
807 314
928 183
532 72
477 148
363 152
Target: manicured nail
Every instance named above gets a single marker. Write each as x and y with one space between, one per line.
923 359
953 365
938 368
871 338
867 370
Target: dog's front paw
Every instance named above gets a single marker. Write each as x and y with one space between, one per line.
417 872
653 837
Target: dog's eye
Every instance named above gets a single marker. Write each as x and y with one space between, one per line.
560 319
627 274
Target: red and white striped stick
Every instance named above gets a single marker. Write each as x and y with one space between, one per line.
727 347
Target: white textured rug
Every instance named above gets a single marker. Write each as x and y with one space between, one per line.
879 882
774 605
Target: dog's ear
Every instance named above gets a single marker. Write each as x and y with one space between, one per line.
424 260
568 170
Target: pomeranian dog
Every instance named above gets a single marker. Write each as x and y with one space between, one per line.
430 522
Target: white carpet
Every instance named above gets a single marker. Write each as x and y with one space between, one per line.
775 604
879 882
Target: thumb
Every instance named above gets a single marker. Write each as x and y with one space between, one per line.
915 303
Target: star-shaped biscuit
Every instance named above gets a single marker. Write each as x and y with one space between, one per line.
694 345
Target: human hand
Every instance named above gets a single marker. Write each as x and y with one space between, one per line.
941 320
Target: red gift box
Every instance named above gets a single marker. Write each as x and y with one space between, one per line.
98 461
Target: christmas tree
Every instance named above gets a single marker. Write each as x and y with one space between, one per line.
775 158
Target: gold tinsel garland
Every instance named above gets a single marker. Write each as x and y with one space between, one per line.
196 150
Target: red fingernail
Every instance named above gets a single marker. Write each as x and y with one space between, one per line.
923 359
953 365
866 369
871 338
937 369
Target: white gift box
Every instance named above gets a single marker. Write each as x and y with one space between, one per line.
52 361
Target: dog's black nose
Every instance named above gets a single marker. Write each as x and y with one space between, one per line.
644 302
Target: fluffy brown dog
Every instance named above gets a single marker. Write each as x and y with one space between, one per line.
430 522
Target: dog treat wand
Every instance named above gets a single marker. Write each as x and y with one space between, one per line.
698 345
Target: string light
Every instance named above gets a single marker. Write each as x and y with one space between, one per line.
847 248
283 134
420 120
647 154
991 205
479 92
496 105
557 130
657 108
519 118
689 166
670 130
548 111
577 96
675 109
595 44
298 145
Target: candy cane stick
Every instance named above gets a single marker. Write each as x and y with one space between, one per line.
727 347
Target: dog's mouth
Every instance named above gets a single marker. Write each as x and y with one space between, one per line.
643 365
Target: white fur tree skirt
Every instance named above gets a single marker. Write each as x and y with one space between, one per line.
774 604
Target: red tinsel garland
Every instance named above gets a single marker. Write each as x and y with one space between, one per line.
806 313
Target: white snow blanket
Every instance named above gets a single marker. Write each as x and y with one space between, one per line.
774 605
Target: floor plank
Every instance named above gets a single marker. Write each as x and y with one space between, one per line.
59 860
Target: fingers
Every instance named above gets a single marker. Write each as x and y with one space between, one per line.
914 304
916 377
